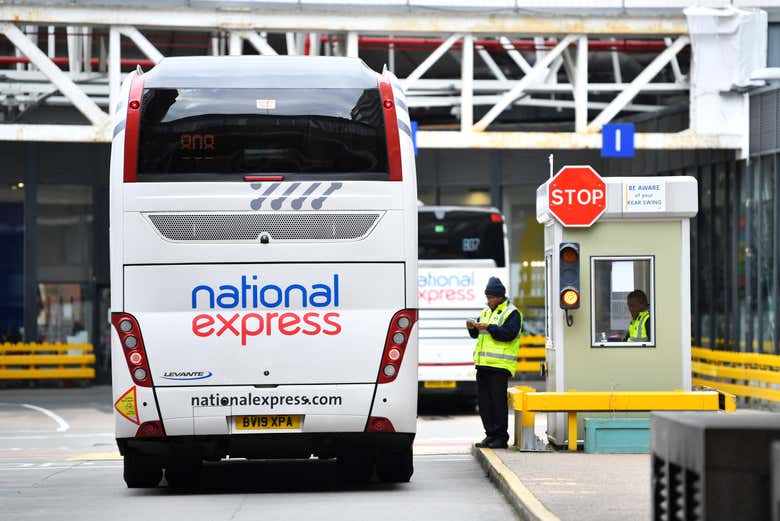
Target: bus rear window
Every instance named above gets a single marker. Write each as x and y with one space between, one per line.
460 235
225 134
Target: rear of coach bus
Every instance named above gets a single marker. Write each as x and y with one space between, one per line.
263 262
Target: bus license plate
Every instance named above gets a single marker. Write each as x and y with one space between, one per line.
276 421
440 384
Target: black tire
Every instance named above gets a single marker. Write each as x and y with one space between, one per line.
395 467
141 471
184 473
355 467
469 404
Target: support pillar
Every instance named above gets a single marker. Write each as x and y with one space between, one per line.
496 192
31 169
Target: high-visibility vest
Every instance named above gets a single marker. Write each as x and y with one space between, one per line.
637 329
491 352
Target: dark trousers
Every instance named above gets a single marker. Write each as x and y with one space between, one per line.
491 398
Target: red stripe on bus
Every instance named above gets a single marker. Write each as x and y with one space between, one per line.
263 178
132 127
391 129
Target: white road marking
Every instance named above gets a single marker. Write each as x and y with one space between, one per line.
51 436
32 449
437 457
446 441
63 425
72 467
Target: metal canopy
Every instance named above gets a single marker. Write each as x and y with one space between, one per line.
513 62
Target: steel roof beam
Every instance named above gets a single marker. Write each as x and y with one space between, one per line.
57 133
516 56
498 85
308 20
517 90
685 140
428 62
259 42
334 31
142 43
642 78
448 101
61 80
92 84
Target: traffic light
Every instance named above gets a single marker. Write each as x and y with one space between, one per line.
569 270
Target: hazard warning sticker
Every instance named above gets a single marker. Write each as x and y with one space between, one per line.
127 406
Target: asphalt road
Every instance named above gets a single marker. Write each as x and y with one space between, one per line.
58 460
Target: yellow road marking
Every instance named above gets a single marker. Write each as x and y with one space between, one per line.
528 499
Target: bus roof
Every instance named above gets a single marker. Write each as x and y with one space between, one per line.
261 72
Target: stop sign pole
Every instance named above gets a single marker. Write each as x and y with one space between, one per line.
577 196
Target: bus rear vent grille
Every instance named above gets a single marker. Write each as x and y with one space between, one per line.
317 226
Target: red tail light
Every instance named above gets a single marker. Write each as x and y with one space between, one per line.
379 424
152 429
131 127
496 218
395 344
391 130
133 347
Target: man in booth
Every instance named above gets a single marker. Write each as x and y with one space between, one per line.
639 328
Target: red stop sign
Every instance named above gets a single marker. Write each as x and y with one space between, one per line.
577 196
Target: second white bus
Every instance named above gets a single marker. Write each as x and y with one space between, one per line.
263 267
460 248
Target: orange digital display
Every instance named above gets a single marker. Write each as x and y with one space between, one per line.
197 146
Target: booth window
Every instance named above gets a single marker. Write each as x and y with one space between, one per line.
613 279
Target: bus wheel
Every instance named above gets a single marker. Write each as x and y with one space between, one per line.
354 467
184 473
395 467
141 471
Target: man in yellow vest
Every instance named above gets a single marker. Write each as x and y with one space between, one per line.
495 357
639 328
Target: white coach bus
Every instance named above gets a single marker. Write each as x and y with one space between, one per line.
460 248
263 267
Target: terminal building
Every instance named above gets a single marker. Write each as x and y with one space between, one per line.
496 88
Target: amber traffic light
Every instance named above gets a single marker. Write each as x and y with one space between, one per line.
569 271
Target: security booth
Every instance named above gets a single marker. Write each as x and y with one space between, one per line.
606 238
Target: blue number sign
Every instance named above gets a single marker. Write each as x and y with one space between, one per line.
617 140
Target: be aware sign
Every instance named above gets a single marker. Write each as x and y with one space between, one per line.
577 196
644 197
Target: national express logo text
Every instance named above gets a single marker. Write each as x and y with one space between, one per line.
266 309
438 288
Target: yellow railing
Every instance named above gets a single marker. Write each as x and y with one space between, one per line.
526 402
531 354
767 346
750 375
26 361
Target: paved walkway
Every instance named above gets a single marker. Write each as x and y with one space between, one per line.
552 486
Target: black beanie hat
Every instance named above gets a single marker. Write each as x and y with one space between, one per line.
495 288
